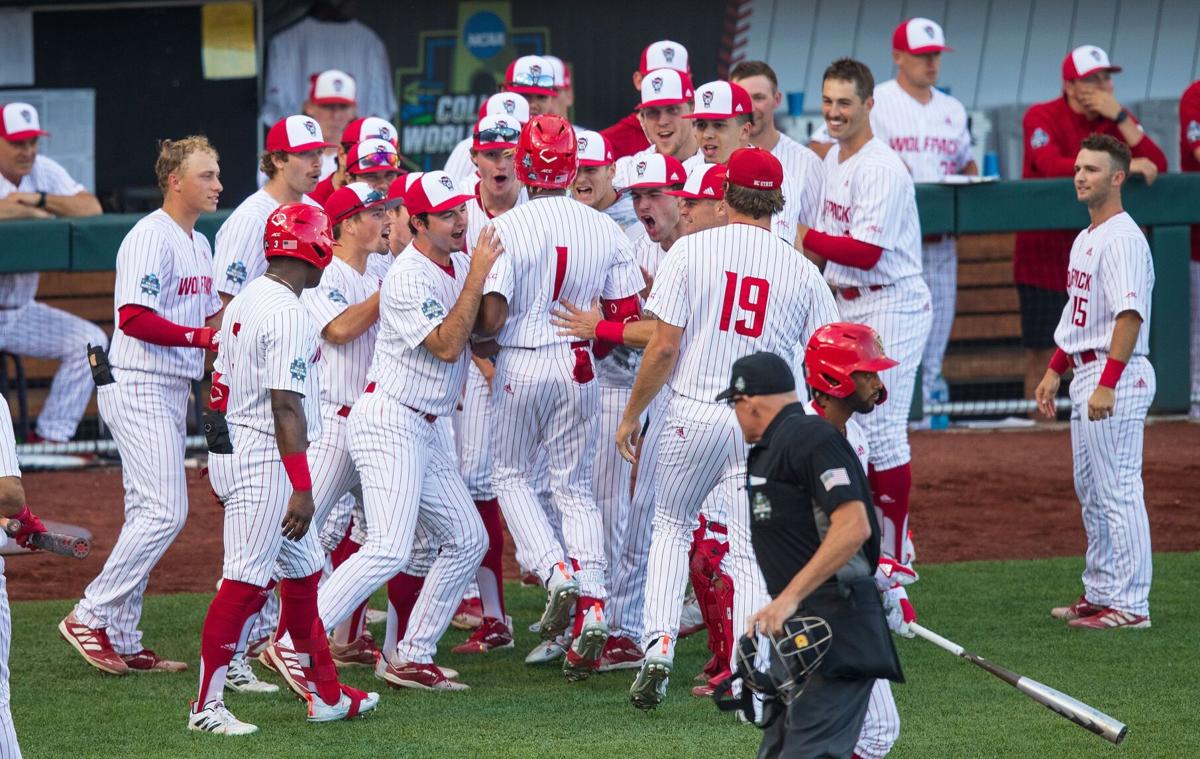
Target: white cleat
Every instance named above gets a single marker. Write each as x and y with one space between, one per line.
548 651
240 677
347 707
562 591
216 719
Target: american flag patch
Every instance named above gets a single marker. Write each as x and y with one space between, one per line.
831 478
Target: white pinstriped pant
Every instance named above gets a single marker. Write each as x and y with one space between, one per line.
610 477
1108 481
881 726
40 331
939 269
8 733
146 414
409 479
700 449
1195 270
541 404
901 313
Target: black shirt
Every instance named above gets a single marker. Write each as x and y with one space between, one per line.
801 470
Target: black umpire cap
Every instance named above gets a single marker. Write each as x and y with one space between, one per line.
761 373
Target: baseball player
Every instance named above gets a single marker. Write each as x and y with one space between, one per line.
163 299
666 102
369 163
628 135
558 250
331 101
869 235
506 104
12 506
711 297
593 185
564 89
428 305
269 359
533 77
33 186
1104 334
1189 161
292 165
700 204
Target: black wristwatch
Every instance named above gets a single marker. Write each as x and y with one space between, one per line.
1124 114
41 200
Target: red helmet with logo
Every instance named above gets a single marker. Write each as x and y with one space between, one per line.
546 152
299 230
836 351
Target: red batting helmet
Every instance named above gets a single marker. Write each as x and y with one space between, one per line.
546 152
298 230
836 351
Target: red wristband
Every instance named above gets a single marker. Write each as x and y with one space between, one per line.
1112 372
610 332
296 465
1060 362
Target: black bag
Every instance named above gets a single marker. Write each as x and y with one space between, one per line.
862 644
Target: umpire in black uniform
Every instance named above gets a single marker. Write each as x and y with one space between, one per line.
816 540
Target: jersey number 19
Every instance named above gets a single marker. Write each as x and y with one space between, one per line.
751 296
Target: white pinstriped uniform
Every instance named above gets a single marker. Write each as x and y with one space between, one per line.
410 478
733 290
1111 271
803 167
269 342
621 211
881 726
8 468
933 140
459 165
239 242
555 248
871 198
161 268
28 328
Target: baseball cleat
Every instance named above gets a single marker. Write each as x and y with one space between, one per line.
284 662
148 661
361 651
650 686
1111 619
376 616
468 615
531 580
691 619
92 645
216 719
240 677
255 648
489 636
426 676
620 653
548 651
382 664
1081 608
562 592
583 655
352 703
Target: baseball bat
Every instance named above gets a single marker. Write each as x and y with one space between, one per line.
71 546
1087 717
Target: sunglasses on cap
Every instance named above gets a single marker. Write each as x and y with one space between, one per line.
497 134
377 159
528 79
373 197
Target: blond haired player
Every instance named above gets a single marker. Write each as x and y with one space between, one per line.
1104 333
164 296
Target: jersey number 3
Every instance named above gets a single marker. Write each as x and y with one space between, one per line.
751 296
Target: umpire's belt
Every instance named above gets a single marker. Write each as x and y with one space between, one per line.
431 418
862 645
850 293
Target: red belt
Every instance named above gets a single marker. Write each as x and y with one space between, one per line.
431 418
850 293
344 411
934 238
1087 357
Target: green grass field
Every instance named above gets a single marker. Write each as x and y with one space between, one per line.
1148 679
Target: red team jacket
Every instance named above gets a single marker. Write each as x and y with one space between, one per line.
1189 140
626 136
1052 136
323 190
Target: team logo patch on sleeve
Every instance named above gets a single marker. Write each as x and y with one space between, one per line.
1039 139
298 369
831 478
236 272
150 284
337 297
433 309
1193 131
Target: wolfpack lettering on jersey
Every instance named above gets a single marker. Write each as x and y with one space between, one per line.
46 176
803 168
478 217
736 289
932 138
343 367
871 198
269 342
564 251
160 267
416 296
239 242
1110 271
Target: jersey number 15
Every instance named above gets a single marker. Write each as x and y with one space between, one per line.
751 296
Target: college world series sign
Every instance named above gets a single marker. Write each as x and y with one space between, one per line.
457 69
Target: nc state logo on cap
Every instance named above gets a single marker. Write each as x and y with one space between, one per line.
535 71
641 168
449 185
337 85
668 54
501 124
510 106
582 143
656 83
929 31
707 97
28 114
385 132
311 128
1095 55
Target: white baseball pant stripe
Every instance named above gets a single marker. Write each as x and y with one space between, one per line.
146 414
1108 481
8 733
881 726
471 433
1195 269
610 476
542 405
700 449
409 478
939 269
901 314
39 331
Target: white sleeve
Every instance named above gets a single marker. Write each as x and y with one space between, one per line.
458 164
143 265
501 279
812 190
288 345
54 179
326 301
822 309
412 307
1125 267
239 257
880 199
624 277
668 298
821 135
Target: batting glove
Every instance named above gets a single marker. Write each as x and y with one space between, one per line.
30 525
891 572
899 611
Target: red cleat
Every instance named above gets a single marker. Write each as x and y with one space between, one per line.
469 614
1111 619
1081 608
620 653
489 636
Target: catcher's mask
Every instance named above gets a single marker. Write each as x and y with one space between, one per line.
793 656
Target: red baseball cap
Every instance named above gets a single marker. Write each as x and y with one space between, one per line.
1086 60
594 149
530 75
664 54
332 86
296 134
396 190
352 199
367 127
657 170
706 182
720 100
496 133
919 36
434 192
665 87
19 121
372 156
754 169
